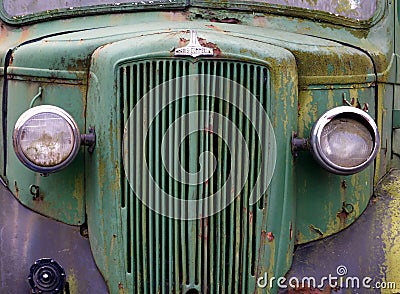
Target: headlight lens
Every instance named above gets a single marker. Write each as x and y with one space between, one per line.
46 138
345 140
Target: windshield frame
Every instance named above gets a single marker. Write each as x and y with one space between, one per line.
291 11
253 7
145 5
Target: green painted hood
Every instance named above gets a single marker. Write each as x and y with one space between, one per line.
318 60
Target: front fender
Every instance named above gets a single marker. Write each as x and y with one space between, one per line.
26 236
369 248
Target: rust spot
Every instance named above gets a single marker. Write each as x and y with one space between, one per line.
25 35
263 235
291 231
204 229
204 43
347 208
113 240
121 288
342 215
316 230
259 21
16 189
201 229
250 217
215 28
175 16
226 20
40 198
183 42
270 236
11 59
342 218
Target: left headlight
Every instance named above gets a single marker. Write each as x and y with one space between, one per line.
344 140
46 139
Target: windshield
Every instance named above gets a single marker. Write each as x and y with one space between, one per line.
354 9
25 7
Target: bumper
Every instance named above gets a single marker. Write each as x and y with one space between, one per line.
26 236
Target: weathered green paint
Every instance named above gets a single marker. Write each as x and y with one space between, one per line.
312 70
320 198
396 119
62 194
279 212
368 248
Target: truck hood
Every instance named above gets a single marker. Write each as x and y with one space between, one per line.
319 61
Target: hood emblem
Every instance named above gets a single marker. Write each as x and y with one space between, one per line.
194 48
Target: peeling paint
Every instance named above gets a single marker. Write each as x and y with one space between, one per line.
73 282
390 187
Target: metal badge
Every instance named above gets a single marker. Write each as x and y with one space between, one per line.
194 48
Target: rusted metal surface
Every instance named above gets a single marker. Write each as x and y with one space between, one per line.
226 20
27 236
368 248
203 42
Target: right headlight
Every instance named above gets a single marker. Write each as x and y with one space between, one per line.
46 139
344 140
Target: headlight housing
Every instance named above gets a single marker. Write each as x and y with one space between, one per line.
46 139
344 140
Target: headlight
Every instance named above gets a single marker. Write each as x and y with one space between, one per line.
345 140
46 139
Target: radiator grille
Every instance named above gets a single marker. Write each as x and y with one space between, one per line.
221 253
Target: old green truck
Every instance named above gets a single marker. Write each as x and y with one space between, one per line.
199 146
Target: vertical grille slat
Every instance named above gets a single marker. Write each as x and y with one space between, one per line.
217 254
222 225
164 245
237 98
206 68
141 277
158 241
171 224
177 268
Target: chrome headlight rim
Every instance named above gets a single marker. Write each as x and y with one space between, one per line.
41 109
345 112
